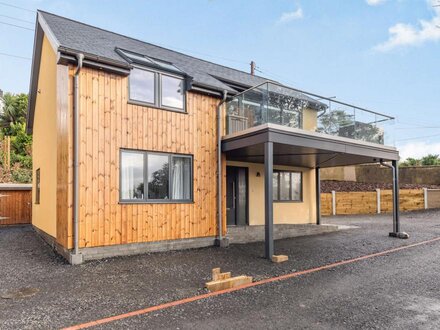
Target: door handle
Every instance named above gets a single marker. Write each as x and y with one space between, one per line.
233 194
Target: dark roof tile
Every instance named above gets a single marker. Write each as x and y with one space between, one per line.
85 38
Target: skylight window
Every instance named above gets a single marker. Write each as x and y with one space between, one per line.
147 61
165 65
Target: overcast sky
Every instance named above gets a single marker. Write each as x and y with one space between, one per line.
378 54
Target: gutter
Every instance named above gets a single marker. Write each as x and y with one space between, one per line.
76 258
66 59
220 240
95 58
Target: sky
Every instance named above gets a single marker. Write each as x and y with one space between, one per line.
381 55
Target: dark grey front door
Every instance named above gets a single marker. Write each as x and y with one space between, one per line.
236 196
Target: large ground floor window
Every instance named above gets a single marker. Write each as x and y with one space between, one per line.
287 186
155 177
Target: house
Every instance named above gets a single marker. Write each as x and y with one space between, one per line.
131 141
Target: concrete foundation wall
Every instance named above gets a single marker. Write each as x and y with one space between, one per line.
248 234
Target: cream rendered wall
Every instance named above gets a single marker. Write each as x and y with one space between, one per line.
310 119
285 212
44 147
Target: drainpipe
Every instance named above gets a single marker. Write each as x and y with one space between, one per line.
76 258
396 222
219 240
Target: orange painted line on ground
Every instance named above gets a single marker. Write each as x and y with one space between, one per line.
265 281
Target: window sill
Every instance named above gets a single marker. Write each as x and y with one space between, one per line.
288 201
153 106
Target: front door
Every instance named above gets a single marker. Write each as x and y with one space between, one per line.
236 196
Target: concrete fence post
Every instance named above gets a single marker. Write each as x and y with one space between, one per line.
378 200
425 197
333 202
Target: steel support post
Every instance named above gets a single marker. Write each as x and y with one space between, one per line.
268 198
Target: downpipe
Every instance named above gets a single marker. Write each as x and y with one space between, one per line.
76 257
220 241
396 222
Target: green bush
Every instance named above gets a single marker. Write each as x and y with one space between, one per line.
12 124
25 161
429 160
21 175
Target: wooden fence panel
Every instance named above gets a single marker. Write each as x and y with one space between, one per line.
433 198
410 200
326 204
15 207
365 202
356 202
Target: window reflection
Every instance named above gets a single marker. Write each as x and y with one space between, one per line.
132 175
172 92
142 85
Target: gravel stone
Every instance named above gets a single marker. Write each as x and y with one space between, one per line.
399 290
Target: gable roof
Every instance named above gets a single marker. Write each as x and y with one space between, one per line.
75 36
99 46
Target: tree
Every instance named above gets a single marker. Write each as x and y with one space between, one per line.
158 186
285 109
410 162
331 122
428 160
13 111
13 124
341 123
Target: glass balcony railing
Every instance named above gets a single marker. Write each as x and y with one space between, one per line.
277 104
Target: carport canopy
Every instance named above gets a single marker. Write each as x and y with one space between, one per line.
273 144
297 147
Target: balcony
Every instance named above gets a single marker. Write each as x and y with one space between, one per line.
272 103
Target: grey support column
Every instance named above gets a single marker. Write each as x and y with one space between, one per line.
318 195
268 198
396 213
396 197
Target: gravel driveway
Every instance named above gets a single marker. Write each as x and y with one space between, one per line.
39 290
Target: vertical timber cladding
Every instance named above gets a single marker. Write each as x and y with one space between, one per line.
107 123
64 157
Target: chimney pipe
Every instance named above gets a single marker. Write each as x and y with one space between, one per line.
252 68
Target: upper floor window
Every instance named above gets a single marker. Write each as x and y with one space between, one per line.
142 86
157 89
287 186
155 82
172 91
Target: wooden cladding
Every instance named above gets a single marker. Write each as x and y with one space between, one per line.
107 124
15 207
